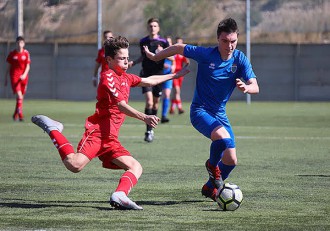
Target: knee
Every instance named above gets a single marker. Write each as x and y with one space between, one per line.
73 167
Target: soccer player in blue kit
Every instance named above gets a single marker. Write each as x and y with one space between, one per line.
220 70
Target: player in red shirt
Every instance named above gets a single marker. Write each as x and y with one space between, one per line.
18 68
100 59
102 128
180 61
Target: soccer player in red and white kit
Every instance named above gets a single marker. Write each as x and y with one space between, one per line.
102 128
18 68
180 62
100 59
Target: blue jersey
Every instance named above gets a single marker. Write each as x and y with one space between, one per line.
216 79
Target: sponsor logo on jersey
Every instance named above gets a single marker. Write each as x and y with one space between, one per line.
212 66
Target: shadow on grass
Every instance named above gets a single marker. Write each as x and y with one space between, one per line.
312 175
31 204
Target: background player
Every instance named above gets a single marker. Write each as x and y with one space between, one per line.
220 70
102 128
180 62
150 67
169 67
100 59
18 68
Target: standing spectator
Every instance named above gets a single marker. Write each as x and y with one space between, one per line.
180 61
220 70
18 68
100 59
152 94
100 139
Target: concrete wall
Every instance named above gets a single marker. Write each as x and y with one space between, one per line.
285 72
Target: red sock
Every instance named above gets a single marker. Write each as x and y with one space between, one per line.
19 106
173 104
63 146
179 103
126 182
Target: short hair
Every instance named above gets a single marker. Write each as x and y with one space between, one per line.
227 25
106 32
113 45
178 37
150 20
19 38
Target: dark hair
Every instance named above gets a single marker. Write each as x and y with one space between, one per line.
112 45
150 20
106 32
227 25
20 38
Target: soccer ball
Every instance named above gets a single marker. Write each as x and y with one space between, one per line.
229 197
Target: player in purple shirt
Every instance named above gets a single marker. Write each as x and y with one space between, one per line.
220 70
154 42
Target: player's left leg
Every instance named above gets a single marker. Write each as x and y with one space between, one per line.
147 91
74 162
128 180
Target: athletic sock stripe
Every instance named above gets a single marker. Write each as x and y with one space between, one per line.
64 145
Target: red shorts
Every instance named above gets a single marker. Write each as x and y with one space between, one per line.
106 148
178 82
19 85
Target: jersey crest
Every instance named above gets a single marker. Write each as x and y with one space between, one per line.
234 68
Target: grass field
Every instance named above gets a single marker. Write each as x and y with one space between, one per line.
283 171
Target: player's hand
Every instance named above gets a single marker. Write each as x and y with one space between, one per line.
182 72
242 86
152 120
149 54
130 64
22 77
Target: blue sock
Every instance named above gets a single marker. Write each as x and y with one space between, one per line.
225 170
216 149
166 105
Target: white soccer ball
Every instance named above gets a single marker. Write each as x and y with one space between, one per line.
229 197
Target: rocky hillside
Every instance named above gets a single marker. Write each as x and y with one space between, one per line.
275 21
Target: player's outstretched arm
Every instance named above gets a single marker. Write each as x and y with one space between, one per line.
169 51
157 79
151 120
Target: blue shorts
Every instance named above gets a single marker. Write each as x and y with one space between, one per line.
168 84
205 121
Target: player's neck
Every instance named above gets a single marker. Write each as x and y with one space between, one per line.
226 57
154 36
